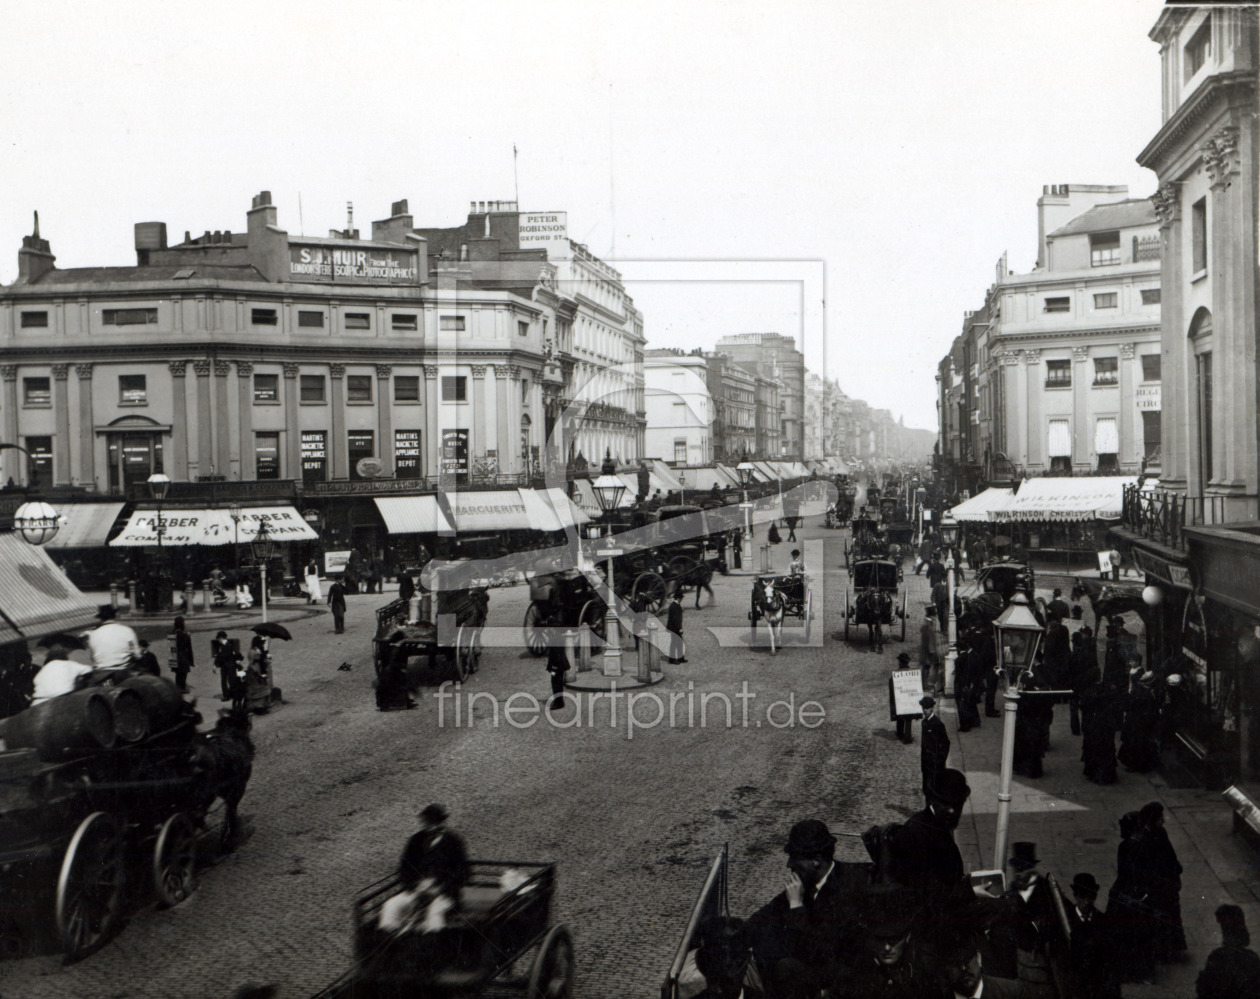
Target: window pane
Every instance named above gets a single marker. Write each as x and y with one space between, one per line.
131 388
263 317
358 321
1058 304
312 388
1106 370
267 455
1151 367
41 456
1198 228
34 319
36 391
311 319
1150 296
128 317
452 323
1151 427
407 388
522 328
359 388
405 321
1104 248
1106 300
1058 373
266 388
453 388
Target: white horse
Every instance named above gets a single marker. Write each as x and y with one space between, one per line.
767 602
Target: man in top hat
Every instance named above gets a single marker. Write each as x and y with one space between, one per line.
433 871
922 853
1021 934
904 722
112 644
891 967
935 750
805 936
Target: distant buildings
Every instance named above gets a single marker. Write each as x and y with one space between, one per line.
774 357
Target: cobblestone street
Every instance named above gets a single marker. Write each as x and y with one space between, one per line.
632 822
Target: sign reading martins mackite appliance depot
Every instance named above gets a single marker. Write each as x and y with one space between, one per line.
352 265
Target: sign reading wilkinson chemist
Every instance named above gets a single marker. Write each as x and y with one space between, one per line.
350 264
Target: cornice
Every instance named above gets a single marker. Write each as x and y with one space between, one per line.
1005 340
228 350
1216 93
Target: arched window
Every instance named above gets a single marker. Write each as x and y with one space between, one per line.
1201 346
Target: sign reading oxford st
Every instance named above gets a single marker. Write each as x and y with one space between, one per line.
351 265
546 229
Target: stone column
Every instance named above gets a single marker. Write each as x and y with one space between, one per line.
503 439
222 420
1082 441
385 417
1032 409
433 406
338 445
245 416
87 428
477 430
425 401
1021 414
62 475
292 426
1129 454
1174 419
514 416
204 460
176 463
16 465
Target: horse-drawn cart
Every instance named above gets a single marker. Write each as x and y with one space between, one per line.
867 541
777 597
565 599
501 933
874 600
102 794
396 636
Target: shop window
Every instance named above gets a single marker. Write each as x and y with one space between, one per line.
311 388
264 317
34 320
311 319
1151 364
132 390
1104 248
1061 463
358 388
406 388
404 321
41 449
36 392
314 456
1199 235
266 388
1151 429
454 388
407 454
1059 304
267 455
1058 374
361 444
358 320
452 324
129 317
1106 370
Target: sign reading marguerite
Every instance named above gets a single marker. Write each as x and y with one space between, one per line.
350 264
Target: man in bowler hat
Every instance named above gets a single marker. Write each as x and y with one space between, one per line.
1088 943
432 872
935 750
922 853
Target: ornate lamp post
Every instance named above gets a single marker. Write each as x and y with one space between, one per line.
682 487
1018 634
37 522
608 491
234 511
745 469
949 534
159 485
263 548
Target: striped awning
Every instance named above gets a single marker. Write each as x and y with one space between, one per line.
568 513
412 515
87 525
1066 499
200 526
36 598
1106 438
1060 440
978 507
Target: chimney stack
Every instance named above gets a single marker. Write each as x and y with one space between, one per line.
263 213
35 258
149 236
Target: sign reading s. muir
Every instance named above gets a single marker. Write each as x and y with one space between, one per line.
546 229
352 265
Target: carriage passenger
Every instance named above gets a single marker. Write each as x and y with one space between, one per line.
433 871
797 566
59 675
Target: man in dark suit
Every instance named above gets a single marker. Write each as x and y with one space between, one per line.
1089 965
674 625
1022 932
922 853
955 950
148 662
337 604
935 749
893 965
183 654
432 872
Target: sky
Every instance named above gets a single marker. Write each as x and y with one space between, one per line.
895 148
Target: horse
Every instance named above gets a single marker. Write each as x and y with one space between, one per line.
223 760
873 606
768 603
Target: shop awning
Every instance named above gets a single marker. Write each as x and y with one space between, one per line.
214 526
35 596
767 471
87 525
1066 499
412 515
567 512
664 475
979 506
490 510
704 479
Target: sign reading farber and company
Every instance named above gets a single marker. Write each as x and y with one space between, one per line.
547 229
1148 397
352 265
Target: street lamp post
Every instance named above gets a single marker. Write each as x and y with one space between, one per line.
745 470
234 511
263 548
608 491
1017 634
682 488
159 485
949 533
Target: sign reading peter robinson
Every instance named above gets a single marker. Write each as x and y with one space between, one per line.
546 229
352 265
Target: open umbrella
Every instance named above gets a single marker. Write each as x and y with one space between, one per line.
272 630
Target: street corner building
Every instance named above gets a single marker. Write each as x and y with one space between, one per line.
263 366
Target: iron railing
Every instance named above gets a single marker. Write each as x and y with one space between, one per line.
1163 516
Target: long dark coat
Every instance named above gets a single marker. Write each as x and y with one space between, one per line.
934 749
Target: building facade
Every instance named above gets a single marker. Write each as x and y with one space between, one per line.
774 356
680 410
734 394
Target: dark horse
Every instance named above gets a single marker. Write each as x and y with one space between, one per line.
873 608
223 760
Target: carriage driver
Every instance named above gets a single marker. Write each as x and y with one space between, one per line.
797 566
433 871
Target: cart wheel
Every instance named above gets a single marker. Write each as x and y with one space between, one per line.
551 976
846 555
904 597
535 636
847 614
474 650
460 653
809 612
593 615
175 860
89 888
650 590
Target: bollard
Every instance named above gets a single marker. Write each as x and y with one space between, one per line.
765 558
654 652
131 596
426 608
206 596
644 674
584 650
413 610
190 597
113 595
570 649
